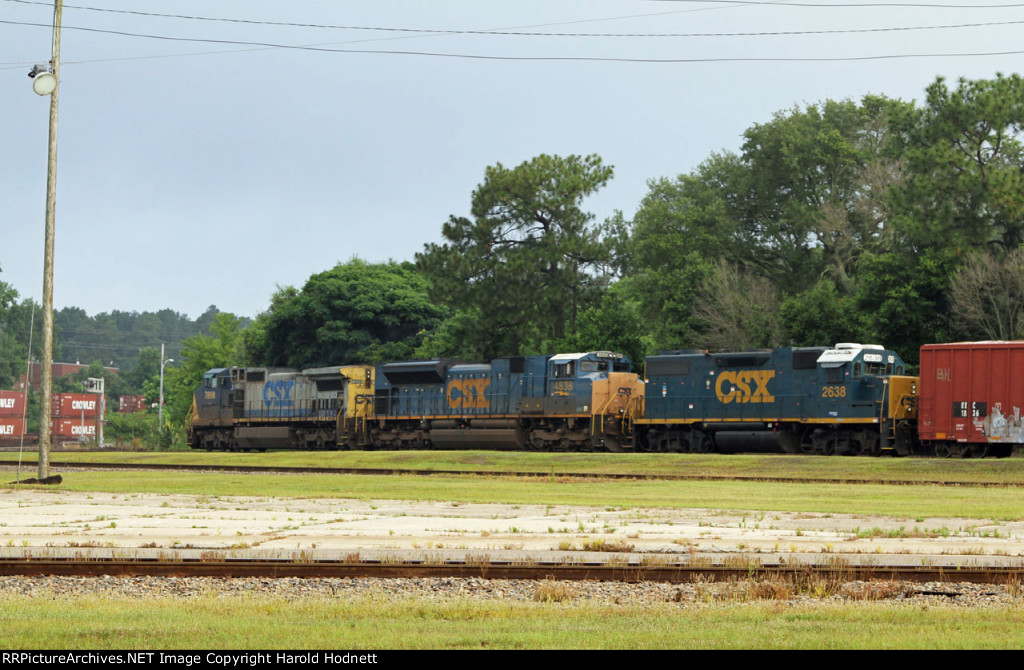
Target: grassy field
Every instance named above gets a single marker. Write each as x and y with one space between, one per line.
882 469
210 622
373 623
835 484
907 501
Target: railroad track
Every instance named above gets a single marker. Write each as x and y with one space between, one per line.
273 469
588 571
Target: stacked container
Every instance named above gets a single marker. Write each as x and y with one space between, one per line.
73 416
12 416
131 404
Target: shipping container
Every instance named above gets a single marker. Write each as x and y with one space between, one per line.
11 428
75 405
73 429
130 404
12 403
971 398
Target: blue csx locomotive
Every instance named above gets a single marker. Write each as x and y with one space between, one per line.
563 402
848 399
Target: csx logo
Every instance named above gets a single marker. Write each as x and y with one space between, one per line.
468 393
744 386
279 393
561 388
6 403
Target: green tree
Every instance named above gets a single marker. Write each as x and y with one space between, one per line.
117 337
146 368
987 296
682 228
357 312
821 315
965 163
526 262
736 310
815 191
614 324
904 300
16 320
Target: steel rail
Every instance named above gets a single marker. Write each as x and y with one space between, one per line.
275 469
620 572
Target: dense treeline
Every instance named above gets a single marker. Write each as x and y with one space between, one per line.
117 337
876 220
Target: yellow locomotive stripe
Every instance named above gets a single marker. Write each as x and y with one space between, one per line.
390 417
754 420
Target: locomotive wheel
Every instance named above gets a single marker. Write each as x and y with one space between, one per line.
824 443
845 446
701 443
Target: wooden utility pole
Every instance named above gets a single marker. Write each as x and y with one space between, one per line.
51 205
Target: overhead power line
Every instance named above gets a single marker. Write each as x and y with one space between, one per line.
492 57
330 49
524 33
847 5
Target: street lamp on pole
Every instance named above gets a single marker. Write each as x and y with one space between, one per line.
45 82
160 406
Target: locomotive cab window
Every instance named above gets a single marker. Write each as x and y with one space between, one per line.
563 370
834 375
858 370
874 368
590 366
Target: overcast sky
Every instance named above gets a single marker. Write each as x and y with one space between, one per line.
196 167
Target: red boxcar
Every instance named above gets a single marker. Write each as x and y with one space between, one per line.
971 398
12 403
75 405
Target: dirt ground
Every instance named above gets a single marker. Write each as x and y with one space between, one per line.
56 522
